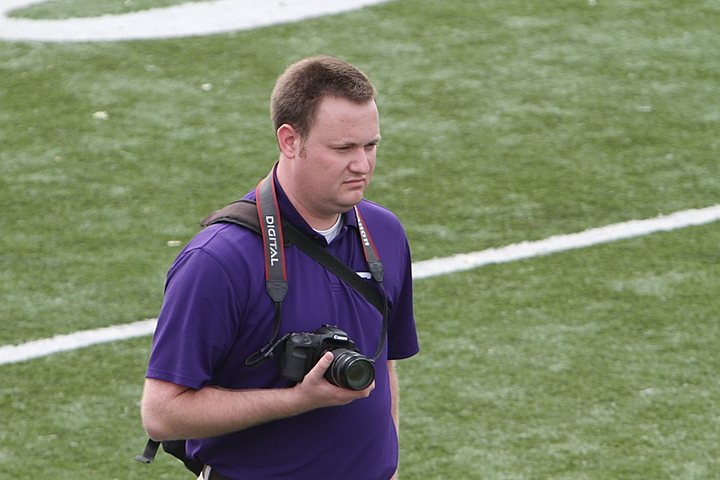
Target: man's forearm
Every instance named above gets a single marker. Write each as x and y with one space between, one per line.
171 411
181 412
395 399
394 394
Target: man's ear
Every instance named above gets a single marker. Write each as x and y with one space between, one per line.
288 140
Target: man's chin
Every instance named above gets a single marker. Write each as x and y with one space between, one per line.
352 201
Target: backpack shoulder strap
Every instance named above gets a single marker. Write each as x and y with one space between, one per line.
241 212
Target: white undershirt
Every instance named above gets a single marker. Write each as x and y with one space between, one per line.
331 233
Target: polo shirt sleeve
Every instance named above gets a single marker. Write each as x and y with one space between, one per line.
402 335
197 323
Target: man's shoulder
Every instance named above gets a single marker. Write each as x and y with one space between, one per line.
373 212
224 239
385 228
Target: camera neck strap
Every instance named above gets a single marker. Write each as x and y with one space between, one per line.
264 218
272 235
272 232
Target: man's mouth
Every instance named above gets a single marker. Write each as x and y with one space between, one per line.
355 182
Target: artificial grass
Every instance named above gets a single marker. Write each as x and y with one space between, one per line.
593 364
596 363
501 122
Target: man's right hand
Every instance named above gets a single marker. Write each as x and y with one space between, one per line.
316 389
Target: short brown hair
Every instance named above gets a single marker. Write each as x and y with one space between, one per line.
300 88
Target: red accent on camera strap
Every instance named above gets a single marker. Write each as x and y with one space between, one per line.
272 235
371 255
276 272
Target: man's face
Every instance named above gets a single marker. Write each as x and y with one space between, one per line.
337 158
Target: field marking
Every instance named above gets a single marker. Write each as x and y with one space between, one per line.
183 20
74 341
424 269
560 243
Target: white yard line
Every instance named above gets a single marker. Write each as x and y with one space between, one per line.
186 19
74 341
560 243
424 269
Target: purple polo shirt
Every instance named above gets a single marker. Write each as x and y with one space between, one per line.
216 313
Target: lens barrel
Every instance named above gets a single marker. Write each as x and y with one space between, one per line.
350 370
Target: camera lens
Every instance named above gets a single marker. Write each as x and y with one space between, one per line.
350 370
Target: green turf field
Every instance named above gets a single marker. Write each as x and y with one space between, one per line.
502 121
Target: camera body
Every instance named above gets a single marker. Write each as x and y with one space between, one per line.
299 353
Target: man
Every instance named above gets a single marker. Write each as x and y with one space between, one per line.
249 421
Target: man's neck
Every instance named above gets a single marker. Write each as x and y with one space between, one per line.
316 220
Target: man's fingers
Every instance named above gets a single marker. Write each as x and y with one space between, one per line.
322 365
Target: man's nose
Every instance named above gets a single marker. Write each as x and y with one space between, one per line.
363 160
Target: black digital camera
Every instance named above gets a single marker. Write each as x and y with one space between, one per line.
301 351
